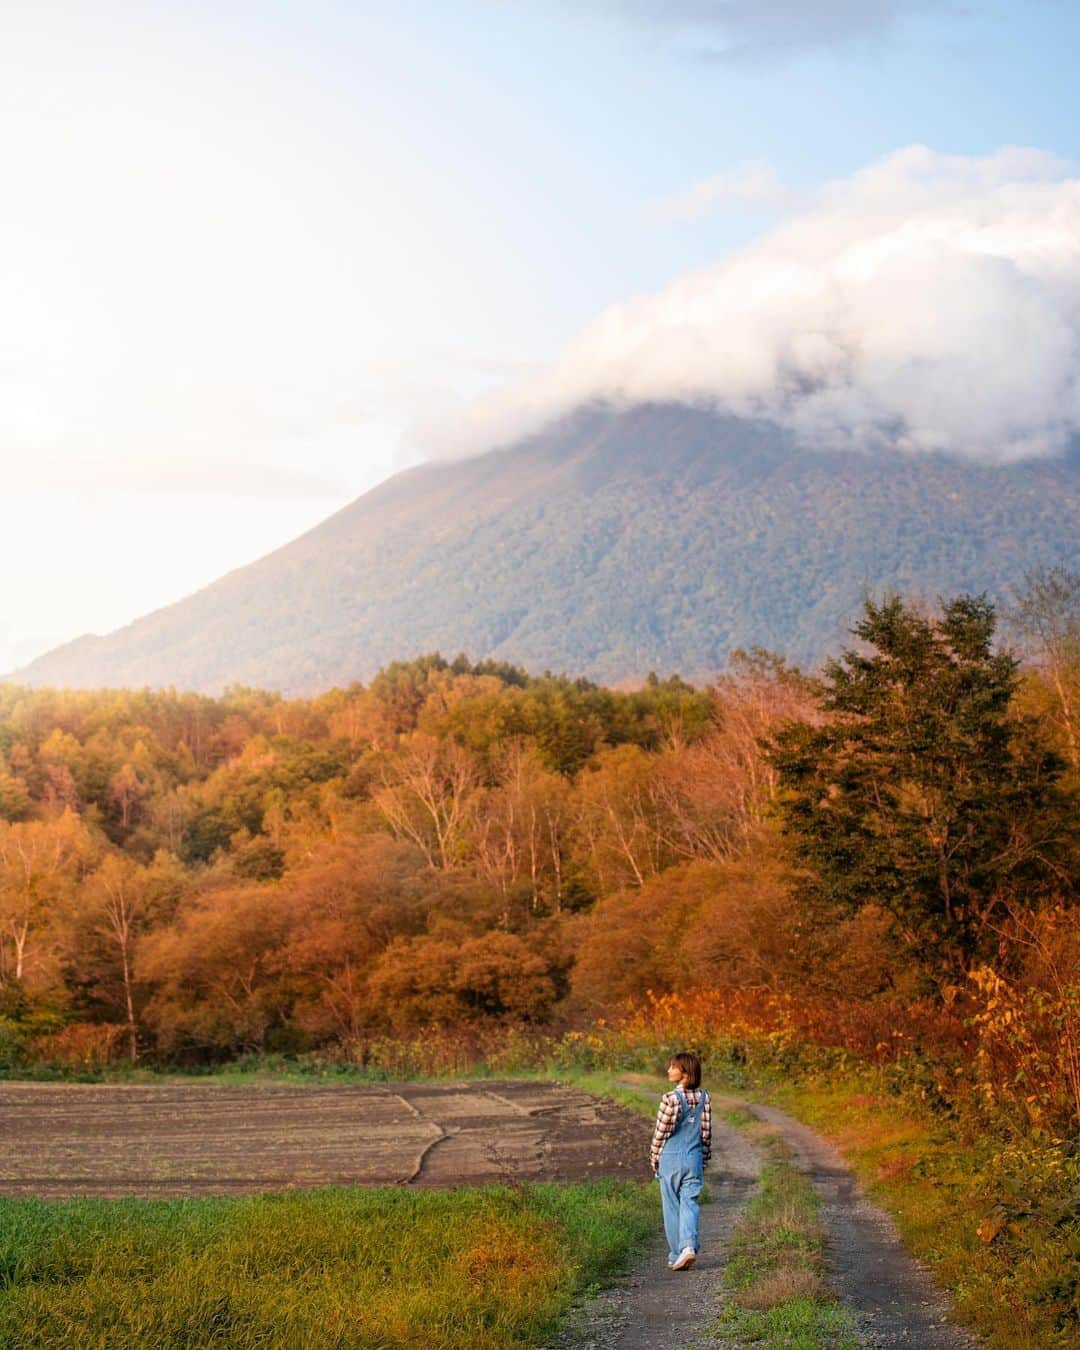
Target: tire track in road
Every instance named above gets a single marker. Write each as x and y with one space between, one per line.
895 1302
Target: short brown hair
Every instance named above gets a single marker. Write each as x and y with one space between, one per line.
690 1065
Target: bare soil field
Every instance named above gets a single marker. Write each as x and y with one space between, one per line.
59 1140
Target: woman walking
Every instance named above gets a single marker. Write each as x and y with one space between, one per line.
681 1146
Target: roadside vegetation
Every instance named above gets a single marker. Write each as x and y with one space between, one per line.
348 1268
775 1292
997 1220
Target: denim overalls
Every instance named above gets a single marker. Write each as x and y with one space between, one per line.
681 1177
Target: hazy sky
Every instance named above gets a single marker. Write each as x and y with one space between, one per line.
255 257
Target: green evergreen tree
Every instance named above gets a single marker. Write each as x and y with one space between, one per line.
922 790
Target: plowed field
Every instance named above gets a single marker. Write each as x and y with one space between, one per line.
60 1140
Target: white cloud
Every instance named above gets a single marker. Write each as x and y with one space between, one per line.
929 302
90 564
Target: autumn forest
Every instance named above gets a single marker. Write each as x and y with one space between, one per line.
879 854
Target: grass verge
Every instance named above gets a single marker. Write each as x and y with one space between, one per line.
255 1068
333 1268
996 1220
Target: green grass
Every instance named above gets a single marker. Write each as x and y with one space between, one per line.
795 1324
248 1069
1017 1282
304 1069
638 1092
333 1268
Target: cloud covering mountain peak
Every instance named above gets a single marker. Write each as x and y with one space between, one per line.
929 302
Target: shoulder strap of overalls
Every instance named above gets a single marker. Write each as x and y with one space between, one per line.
701 1100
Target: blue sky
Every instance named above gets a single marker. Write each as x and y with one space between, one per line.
252 253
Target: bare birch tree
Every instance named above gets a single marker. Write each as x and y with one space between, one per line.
37 859
427 794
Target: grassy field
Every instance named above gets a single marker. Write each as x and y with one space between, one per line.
334 1268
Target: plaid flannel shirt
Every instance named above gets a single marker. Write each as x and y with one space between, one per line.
667 1117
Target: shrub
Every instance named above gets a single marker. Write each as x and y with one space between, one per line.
12 1044
79 1045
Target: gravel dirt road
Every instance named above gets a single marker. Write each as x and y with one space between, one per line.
894 1302
654 1307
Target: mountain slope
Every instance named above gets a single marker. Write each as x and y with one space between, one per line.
610 544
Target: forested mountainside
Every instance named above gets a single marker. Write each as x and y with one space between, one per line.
613 543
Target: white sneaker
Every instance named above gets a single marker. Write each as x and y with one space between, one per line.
686 1259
